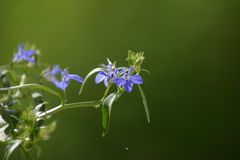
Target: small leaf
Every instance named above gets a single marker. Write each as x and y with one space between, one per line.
2 122
106 112
3 126
88 76
144 103
11 148
38 109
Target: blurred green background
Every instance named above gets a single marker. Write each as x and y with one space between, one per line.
191 49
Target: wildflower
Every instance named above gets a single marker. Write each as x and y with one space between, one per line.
105 76
51 75
24 54
127 80
66 77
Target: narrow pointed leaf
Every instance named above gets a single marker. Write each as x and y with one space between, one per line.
145 70
88 76
106 112
144 103
3 126
2 122
11 148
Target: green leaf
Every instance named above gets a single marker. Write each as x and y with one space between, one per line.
2 122
11 148
88 76
106 112
38 108
144 103
3 126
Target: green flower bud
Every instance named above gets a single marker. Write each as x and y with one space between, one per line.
135 60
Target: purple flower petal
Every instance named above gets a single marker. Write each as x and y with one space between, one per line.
76 78
17 58
115 72
108 73
120 81
50 74
29 59
130 71
29 53
64 73
106 82
63 84
103 65
136 79
123 71
128 86
55 81
110 69
56 70
100 77
21 47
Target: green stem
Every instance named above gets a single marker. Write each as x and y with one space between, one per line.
33 85
94 104
62 105
107 90
38 86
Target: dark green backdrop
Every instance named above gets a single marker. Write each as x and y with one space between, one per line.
193 90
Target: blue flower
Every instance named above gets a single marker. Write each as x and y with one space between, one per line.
66 77
127 80
23 54
51 75
106 76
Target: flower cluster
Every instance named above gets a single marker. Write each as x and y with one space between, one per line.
24 54
50 74
124 78
66 77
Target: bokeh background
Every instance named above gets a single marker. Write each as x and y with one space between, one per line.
191 49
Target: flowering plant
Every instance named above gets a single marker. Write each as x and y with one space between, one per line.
25 88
